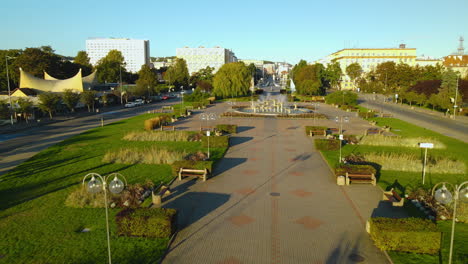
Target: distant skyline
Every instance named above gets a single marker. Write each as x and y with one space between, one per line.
266 30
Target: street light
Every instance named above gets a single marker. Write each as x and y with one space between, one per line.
340 119
208 117
98 184
444 196
9 92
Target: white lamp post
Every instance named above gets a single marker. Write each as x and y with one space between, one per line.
340 119
98 184
444 196
425 146
208 117
9 92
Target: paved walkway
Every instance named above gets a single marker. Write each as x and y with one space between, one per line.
273 199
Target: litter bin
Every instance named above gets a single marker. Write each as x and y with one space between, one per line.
341 180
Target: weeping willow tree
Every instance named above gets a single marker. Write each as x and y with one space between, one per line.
232 80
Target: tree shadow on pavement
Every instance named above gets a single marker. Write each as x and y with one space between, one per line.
226 164
350 250
241 129
239 140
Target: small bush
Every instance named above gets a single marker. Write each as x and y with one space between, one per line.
414 235
152 155
327 144
228 129
190 164
216 142
160 136
315 128
355 169
146 222
156 122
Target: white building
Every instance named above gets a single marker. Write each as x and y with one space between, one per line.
201 57
135 51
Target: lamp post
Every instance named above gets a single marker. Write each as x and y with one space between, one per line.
208 117
340 119
444 196
98 184
455 102
121 88
425 146
9 92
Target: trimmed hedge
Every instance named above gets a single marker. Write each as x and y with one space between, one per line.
355 169
229 129
146 222
216 141
327 144
414 235
191 164
315 128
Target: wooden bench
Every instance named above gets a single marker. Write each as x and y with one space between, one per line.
193 173
387 115
333 130
163 128
373 131
317 132
206 128
159 195
360 178
393 197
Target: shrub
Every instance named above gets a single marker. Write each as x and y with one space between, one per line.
349 107
408 235
396 141
190 164
152 155
216 142
327 144
315 128
146 222
160 136
355 169
411 162
366 115
156 122
229 129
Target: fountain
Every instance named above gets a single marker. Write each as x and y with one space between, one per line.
272 106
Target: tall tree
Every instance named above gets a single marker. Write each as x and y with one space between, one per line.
110 67
48 103
386 74
87 98
232 79
82 60
296 68
178 74
334 74
11 56
147 80
449 90
70 99
354 71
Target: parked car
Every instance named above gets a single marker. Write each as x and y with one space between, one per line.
139 102
165 97
130 104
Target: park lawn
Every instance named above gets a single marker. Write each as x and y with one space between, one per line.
37 227
404 181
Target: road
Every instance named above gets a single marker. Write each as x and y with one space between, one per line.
425 118
17 148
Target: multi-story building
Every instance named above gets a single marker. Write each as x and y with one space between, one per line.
369 59
201 57
428 61
458 61
135 51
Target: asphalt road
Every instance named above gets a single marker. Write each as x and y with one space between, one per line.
17 148
434 121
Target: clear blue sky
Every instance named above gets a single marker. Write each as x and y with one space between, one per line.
255 29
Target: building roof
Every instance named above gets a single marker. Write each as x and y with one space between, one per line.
27 91
374 49
456 61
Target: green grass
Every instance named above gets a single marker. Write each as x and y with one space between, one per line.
407 181
37 227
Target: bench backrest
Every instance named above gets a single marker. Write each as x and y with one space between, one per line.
192 170
395 194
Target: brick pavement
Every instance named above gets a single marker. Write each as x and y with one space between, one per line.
272 199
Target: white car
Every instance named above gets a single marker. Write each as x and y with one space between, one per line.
139 102
130 104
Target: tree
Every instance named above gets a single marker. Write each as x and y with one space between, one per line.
87 98
147 80
341 98
82 60
37 60
448 90
296 68
309 87
410 97
354 71
178 73
333 74
13 74
70 99
205 74
110 67
232 79
4 109
385 73
307 80
48 103
205 86
25 107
